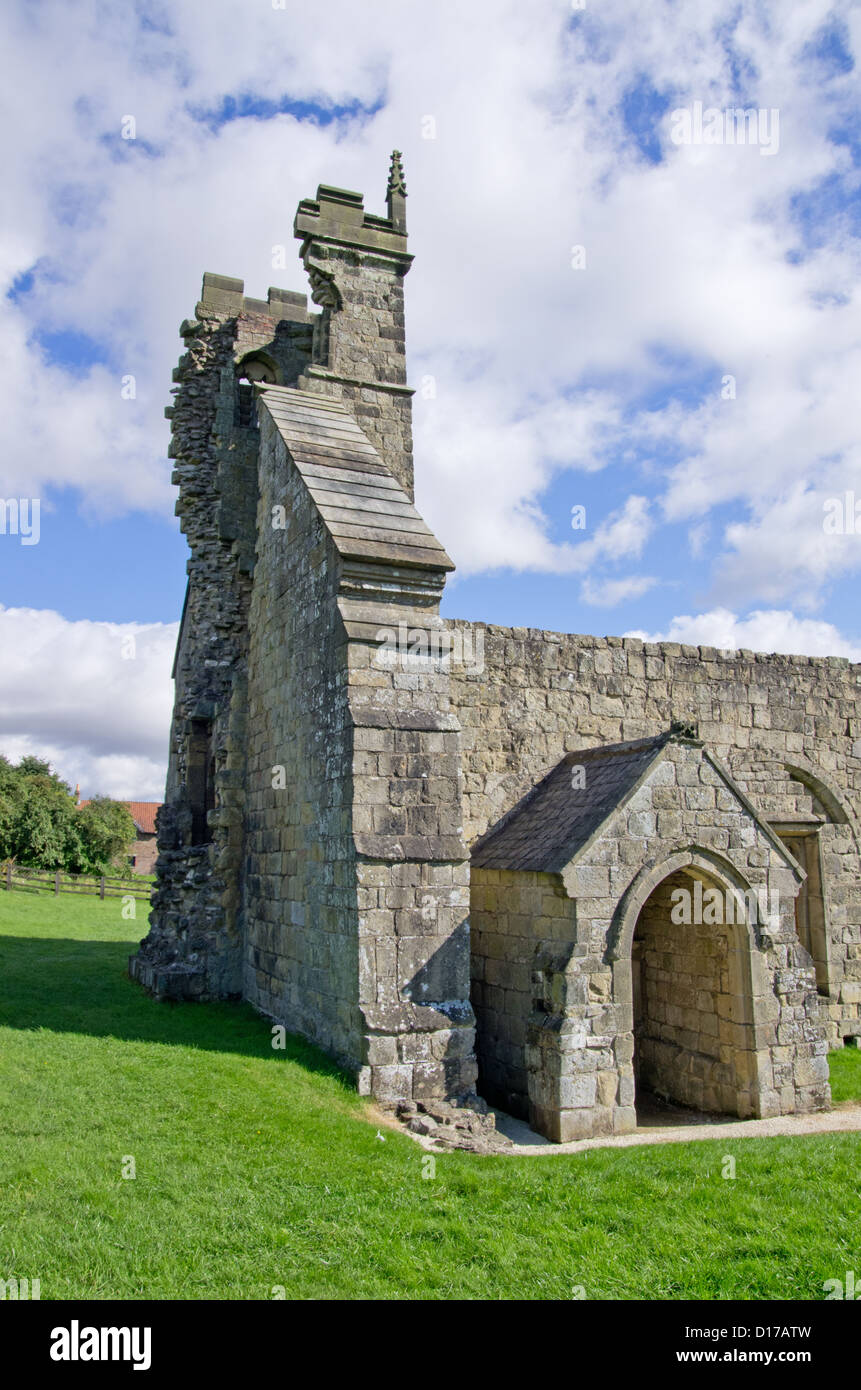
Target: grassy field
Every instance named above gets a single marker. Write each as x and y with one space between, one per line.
257 1169
845 1075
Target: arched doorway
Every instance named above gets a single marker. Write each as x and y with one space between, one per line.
693 1031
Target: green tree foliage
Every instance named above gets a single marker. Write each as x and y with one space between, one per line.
106 830
41 827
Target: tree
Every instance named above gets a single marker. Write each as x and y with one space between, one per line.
37 811
10 796
105 830
42 828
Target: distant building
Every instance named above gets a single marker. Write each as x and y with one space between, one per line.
144 851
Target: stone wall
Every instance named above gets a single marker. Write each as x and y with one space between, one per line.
510 913
299 909
543 694
194 944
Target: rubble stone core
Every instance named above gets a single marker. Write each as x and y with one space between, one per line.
458 856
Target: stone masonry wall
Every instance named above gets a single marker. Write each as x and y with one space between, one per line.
194 943
509 914
192 947
543 694
300 911
413 875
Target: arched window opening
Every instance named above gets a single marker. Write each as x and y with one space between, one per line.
250 370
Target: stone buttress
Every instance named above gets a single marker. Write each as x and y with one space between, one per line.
356 886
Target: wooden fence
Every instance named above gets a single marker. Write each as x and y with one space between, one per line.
37 880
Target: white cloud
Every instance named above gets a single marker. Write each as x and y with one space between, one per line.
609 592
772 630
536 364
497 468
93 698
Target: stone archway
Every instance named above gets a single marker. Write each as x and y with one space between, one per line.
685 990
692 1004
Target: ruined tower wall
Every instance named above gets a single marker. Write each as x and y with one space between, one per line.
192 948
538 695
301 950
194 944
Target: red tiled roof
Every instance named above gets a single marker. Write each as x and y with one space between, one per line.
142 813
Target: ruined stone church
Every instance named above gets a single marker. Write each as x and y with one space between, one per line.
564 871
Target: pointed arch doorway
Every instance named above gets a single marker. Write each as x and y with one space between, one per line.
692 998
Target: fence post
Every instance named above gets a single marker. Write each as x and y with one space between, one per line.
9 875
57 883
102 887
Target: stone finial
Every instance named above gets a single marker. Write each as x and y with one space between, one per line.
396 193
396 175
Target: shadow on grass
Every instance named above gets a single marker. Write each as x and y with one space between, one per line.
74 986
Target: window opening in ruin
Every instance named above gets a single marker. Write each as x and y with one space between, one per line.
201 780
249 371
246 409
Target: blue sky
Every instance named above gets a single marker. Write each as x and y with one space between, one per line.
527 132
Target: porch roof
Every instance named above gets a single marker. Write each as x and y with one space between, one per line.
544 831
547 829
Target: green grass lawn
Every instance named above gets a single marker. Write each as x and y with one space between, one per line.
846 1075
258 1169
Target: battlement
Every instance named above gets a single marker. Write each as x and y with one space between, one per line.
224 295
337 217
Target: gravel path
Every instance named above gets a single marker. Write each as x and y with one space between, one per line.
663 1131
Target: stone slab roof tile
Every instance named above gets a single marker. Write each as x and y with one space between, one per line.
547 827
366 511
